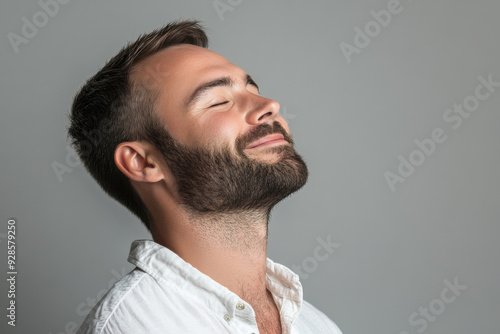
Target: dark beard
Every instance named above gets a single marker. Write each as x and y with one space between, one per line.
218 181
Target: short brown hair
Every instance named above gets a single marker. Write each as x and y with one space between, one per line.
110 109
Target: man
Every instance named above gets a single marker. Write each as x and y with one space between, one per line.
185 141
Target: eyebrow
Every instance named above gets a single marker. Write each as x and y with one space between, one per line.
219 82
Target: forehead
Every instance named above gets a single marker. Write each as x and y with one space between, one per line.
181 67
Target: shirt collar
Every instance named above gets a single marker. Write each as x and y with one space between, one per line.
168 268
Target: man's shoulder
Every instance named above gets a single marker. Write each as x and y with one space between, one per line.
311 317
130 302
116 296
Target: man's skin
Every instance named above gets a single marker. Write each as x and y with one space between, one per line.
234 258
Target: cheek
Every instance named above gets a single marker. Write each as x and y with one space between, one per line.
220 129
179 129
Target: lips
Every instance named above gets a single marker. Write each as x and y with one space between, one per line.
267 140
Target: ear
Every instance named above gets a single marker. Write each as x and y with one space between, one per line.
136 160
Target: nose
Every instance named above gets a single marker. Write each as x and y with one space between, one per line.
263 110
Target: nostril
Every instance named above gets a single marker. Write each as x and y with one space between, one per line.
267 113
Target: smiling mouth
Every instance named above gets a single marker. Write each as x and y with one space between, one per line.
268 140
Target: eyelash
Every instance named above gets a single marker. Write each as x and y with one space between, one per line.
219 104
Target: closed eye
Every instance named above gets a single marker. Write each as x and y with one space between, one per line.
219 104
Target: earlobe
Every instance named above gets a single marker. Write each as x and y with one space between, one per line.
136 162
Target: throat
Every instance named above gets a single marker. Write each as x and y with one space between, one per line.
268 316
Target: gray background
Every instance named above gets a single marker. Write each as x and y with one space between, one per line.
350 121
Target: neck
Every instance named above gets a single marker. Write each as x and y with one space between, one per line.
230 248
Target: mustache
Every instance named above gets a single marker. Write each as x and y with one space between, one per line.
261 131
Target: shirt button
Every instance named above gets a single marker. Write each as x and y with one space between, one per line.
227 317
240 306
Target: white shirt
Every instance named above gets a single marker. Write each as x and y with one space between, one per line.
165 294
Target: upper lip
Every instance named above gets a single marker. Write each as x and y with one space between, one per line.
276 136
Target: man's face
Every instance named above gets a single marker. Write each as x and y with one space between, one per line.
226 146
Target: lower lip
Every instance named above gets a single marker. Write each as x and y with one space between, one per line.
271 142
